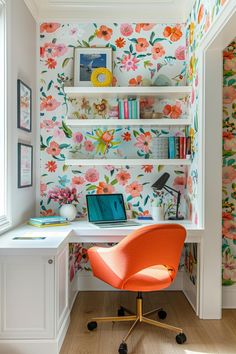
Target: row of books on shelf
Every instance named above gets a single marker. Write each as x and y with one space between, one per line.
48 221
178 147
129 108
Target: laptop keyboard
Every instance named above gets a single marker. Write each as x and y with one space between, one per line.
118 224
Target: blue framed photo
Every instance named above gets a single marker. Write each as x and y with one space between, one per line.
88 59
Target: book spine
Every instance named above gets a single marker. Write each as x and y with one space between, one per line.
47 223
126 113
134 109
188 148
177 152
182 147
138 108
121 109
130 111
171 141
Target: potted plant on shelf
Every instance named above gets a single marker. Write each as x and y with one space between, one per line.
158 206
67 198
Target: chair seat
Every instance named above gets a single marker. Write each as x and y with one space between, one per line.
150 279
141 261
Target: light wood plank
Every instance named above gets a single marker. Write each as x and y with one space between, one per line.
203 336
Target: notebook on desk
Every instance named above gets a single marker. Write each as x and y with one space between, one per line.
107 210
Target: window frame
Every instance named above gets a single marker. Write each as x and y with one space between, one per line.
5 219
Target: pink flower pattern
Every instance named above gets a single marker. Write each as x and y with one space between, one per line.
134 189
88 145
77 137
158 51
92 175
126 29
143 142
49 104
129 62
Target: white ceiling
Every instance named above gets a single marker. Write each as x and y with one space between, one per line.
163 11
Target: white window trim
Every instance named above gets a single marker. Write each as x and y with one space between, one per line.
5 220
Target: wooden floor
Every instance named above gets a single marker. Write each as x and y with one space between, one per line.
203 336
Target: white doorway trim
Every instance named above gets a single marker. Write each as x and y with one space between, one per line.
219 36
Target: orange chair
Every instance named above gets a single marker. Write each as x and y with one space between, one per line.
145 260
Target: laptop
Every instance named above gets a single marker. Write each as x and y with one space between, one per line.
107 210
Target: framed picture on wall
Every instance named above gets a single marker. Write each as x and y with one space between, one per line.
24 106
25 165
88 59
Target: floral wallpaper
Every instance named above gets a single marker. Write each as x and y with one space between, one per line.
154 52
201 18
190 261
229 166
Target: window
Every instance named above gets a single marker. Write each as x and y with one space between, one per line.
4 222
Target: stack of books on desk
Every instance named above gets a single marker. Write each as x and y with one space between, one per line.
48 221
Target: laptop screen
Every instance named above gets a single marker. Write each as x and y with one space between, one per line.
106 207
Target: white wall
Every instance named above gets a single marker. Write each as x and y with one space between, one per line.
21 62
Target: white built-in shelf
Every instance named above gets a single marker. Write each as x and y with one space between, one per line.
129 122
127 162
121 92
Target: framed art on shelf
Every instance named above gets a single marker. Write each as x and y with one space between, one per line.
25 165
24 106
88 59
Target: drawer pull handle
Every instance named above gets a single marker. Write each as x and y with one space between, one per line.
50 261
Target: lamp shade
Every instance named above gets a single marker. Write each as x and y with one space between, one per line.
160 183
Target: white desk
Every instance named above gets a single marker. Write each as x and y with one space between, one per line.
77 231
36 295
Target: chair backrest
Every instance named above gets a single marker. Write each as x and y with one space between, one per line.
152 245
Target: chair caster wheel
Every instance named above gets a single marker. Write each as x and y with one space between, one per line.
92 325
162 314
181 338
121 311
123 349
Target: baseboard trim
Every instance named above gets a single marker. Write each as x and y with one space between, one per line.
63 331
229 297
23 346
36 346
73 300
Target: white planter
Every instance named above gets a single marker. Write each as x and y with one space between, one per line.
157 213
68 211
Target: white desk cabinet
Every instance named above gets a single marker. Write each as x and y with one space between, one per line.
34 296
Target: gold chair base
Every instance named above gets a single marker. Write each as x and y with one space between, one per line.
137 318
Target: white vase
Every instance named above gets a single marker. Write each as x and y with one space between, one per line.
68 211
157 213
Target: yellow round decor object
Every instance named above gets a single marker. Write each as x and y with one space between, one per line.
101 77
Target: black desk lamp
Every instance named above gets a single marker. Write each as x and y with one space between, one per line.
161 184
